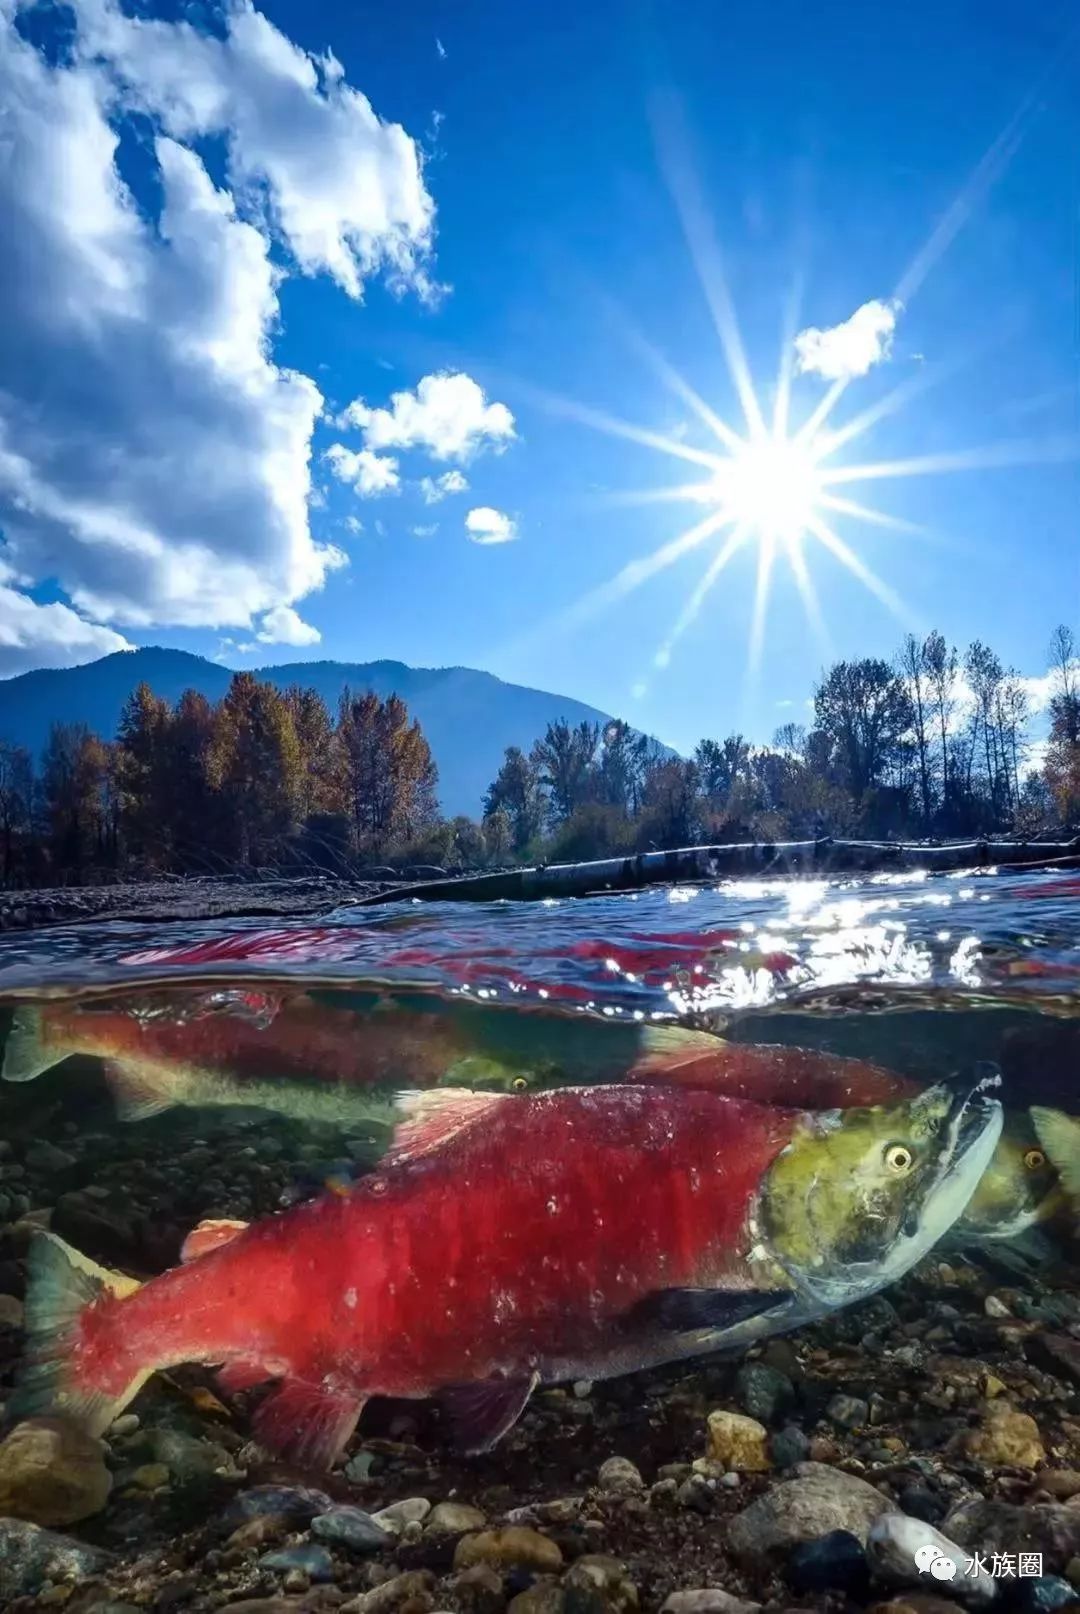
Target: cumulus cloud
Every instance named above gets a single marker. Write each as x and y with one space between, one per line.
367 473
34 635
448 416
851 349
344 188
283 625
487 526
154 459
435 488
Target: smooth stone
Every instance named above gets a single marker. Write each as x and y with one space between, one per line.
479 1590
848 1412
414 1587
11 1312
815 1502
296 1503
187 1456
126 1424
45 1156
920 1503
598 1584
1005 1438
29 1556
515 1546
1040 1594
738 1442
313 1561
453 1519
620 1476
151 1476
762 1391
1052 1528
51 1472
788 1446
1061 1483
544 1596
410 1510
709 1600
836 1562
892 1545
358 1468
352 1527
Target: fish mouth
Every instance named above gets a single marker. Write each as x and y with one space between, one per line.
969 1133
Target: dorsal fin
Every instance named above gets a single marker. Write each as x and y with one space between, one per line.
431 1119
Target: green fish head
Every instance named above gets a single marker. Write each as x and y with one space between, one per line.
858 1196
1018 1188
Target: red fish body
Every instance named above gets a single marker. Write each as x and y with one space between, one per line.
448 1268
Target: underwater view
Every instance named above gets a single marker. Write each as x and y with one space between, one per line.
552 1255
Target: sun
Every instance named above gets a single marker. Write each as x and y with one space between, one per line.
771 488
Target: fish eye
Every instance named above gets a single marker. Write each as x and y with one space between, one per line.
520 1083
1034 1159
899 1159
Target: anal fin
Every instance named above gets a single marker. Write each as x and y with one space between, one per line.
479 1414
307 1423
688 1310
138 1090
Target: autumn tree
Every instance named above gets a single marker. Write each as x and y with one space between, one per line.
254 764
566 757
73 788
390 774
915 671
518 792
864 711
146 791
16 800
1062 767
323 780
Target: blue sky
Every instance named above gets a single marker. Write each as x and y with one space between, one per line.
224 246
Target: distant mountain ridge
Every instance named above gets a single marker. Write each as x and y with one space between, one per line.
469 717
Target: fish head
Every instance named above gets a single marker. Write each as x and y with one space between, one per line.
1019 1187
858 1196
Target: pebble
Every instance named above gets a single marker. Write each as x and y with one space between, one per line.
453 1519
313 1561
738 1442
1005 1438
892 1545
151 1476
848 1412
296 1503
763 1392
788 1446
52 1473
834 1562
597 1584
479 1590
410 1510
1062 1483
45 1156
126 1424
994 1307
30 1556
358 1468
414 1587
920 1503
1052 1528
512 1547
709 1600
11 1312
352 1527
814 1502
619 1476
1039 1594
544 1596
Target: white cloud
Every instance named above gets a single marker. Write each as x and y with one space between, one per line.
367 473
487 526
435 488
33 635
345 189
282 625
425 532
851 349
154 459
448 416
354 525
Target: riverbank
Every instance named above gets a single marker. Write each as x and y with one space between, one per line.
172 901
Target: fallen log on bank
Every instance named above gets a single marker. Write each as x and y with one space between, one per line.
704 865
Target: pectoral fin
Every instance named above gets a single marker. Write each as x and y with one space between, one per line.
139 1090
480 1414
307 1423
1059 1135
689 1310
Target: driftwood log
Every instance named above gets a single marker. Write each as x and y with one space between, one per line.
703 865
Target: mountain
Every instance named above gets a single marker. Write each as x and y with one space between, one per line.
469 717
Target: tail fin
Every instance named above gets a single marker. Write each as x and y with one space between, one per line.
1059 1135
25 1052
62 1284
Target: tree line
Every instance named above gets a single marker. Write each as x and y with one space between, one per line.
933 743
262 778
